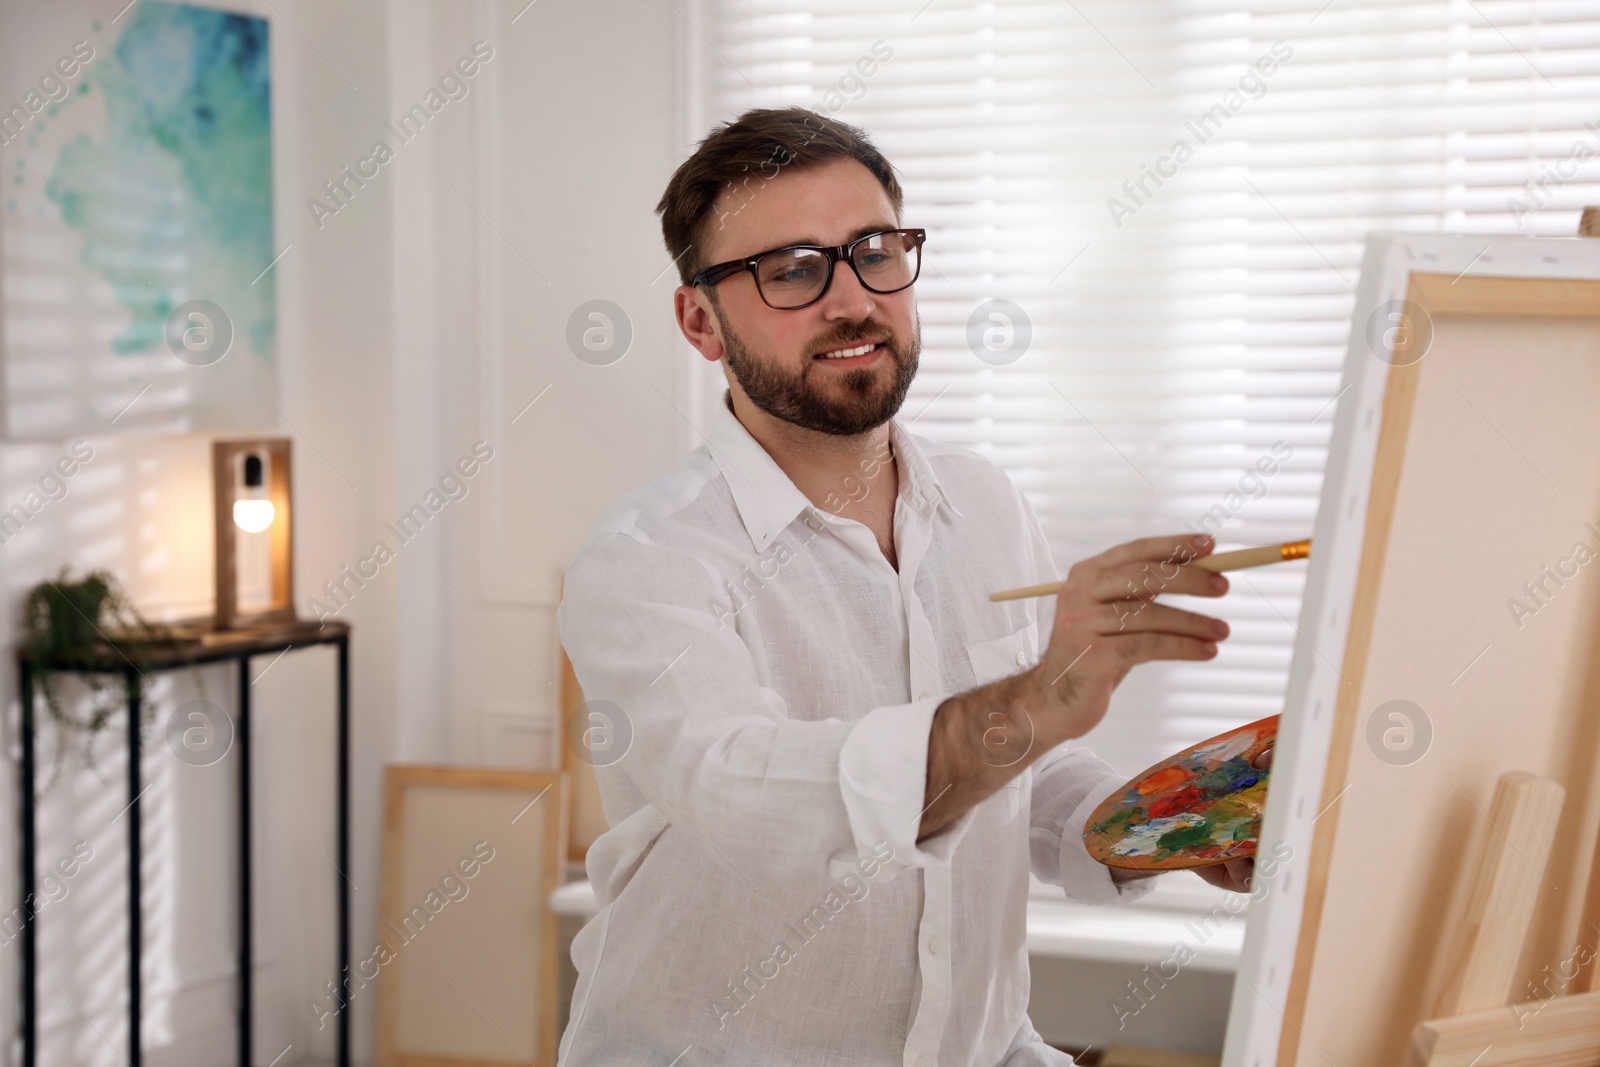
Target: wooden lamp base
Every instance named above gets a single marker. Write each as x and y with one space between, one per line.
227 459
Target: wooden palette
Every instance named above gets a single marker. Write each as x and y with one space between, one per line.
1196 809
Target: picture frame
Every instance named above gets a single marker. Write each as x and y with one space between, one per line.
145 317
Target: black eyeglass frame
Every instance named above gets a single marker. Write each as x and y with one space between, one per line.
721 271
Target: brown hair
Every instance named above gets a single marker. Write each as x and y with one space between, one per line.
744 155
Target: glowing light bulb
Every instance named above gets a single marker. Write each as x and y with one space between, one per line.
253 516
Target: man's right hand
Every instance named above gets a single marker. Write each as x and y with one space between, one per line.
1107 621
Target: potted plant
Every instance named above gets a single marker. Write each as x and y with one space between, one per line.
74 624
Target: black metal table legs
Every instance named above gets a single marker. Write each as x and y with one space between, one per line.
25 866
246 914
135 870
27 847
344 845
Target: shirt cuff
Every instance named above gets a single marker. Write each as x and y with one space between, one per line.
883 777
1082 876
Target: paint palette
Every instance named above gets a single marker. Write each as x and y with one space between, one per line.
1198 808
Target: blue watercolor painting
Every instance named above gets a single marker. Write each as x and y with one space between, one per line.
157 162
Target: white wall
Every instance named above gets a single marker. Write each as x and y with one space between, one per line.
576 136
141 509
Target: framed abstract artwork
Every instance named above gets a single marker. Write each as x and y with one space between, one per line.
136 221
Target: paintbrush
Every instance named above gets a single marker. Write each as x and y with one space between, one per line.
1221 561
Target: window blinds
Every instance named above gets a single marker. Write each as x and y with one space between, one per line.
1172 198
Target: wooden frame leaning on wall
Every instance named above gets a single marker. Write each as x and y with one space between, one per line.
466 957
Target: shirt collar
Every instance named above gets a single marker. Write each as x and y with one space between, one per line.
768 500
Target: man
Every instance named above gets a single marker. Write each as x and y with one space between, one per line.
841 759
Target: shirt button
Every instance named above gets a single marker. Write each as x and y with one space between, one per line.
934 945
922 695
1022 659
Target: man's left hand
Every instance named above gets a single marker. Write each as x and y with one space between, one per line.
1235 875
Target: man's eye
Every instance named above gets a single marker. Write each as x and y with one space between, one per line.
791 275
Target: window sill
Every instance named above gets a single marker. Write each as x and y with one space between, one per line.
1142 932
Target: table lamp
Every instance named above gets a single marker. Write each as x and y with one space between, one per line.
251 495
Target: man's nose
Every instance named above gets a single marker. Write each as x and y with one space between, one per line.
846 297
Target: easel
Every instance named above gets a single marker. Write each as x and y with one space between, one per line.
1480 1022
1477 1023
1464 459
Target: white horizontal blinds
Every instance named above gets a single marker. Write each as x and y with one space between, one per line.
1194 327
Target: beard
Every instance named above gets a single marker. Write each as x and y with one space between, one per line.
853 402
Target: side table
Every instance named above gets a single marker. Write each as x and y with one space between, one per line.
197 643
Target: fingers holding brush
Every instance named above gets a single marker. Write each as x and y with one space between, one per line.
1148 567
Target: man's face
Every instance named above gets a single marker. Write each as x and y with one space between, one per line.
777 356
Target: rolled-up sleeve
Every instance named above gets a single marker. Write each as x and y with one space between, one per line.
883 777
1068 784
775 799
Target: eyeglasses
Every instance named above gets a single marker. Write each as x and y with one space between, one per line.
797 276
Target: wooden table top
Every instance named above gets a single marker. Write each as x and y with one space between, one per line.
186 641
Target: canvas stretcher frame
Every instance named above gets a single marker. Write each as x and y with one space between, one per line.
586 819
454 952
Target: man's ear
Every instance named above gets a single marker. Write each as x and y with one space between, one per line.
698 321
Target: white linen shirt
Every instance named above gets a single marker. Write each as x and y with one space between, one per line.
763 896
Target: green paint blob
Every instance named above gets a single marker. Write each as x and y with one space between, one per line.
1182 837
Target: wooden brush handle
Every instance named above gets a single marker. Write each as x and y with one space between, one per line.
1253 557
1222 561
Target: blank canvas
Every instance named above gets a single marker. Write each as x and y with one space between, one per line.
1454 479
470 975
